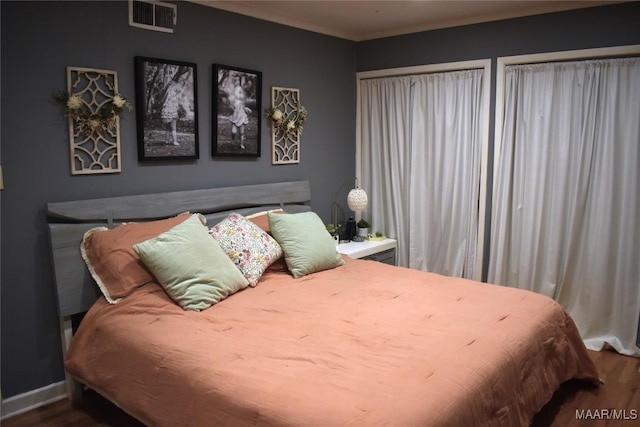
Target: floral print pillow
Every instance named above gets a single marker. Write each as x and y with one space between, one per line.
249 247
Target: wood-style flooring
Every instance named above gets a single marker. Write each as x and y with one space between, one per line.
620 392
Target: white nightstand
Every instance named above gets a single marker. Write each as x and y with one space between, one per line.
377 250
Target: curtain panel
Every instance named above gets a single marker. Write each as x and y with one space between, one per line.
421 147
566 209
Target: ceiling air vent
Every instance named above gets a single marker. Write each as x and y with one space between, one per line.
153 15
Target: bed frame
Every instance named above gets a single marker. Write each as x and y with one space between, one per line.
76 290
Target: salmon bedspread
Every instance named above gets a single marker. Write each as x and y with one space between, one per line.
364 344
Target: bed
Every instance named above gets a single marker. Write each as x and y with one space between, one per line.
352 342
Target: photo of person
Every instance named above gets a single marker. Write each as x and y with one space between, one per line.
172 105
166 109
239 118
237 114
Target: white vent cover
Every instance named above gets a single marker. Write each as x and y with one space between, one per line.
153 15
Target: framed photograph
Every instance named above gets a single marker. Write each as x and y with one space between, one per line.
166 109
237 107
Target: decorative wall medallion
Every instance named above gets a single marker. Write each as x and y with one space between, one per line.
93 108
287 117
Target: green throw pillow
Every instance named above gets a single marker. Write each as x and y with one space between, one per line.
306 244
191 266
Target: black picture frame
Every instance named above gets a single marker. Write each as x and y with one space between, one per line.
236 113
166 109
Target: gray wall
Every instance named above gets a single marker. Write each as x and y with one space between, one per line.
593 27
605 26
39 39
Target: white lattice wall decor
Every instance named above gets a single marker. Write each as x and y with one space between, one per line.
94 140
285 145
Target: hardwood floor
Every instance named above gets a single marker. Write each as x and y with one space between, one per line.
93 411
621 392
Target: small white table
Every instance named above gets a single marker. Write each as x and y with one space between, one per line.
377 250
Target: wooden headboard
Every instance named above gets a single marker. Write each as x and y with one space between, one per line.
68 221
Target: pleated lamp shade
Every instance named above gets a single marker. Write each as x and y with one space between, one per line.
357 199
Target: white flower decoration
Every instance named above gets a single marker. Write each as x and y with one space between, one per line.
89 119
277 115
287 123
119 101
74 102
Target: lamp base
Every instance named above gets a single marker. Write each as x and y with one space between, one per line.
350 228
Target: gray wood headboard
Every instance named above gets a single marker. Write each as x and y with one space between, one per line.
68 221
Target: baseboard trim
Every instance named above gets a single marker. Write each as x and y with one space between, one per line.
33 399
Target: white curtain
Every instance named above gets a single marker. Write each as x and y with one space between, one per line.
566 213
421 145
386 111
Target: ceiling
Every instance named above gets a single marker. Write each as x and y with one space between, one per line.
365 20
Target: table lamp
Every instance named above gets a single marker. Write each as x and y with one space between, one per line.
357 201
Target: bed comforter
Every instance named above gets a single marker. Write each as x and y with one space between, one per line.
365 344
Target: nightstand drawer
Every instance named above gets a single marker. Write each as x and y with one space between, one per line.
387 257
